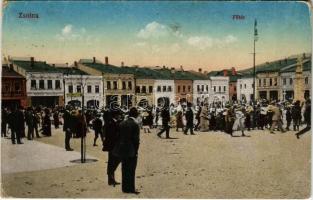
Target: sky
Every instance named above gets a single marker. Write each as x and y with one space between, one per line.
189 34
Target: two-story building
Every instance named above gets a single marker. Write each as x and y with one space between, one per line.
44 85
13 92
269 81
119 86
219 89
201 87
296 80
79 85
245 88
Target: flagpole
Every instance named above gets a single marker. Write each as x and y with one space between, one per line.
254 70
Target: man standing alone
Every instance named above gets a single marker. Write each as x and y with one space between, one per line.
67 128
127 150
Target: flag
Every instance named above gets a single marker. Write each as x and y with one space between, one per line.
255 31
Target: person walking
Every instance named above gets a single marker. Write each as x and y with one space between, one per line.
127 150
111 127
276 118
56 119
97 127
165 114
189 120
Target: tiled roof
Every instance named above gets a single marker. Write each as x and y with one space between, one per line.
8 73
39 66
71 71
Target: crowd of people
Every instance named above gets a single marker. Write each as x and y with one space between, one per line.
118 129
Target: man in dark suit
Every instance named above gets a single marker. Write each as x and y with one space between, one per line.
111 137
17 121
307 118
127 150
67 128
189 119
165 114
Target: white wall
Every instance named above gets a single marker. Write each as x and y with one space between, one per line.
86 80
245 88
170 95
224 94
201 94
44 76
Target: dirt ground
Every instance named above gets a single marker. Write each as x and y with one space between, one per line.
206 165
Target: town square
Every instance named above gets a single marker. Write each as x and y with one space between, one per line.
156 99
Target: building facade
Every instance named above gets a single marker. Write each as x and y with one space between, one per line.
201 91
44 85
144 92
119 86
245 89
13 88
164 93
219 89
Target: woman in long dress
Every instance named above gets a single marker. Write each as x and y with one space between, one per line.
239 124
204 119
46 123
179 120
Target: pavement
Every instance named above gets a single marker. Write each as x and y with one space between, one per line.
34 156
205 165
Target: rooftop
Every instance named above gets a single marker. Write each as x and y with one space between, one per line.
39 66
9 73
71 71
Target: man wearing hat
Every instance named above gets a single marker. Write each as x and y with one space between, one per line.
127 150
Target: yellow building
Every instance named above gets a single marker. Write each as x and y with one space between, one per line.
118 85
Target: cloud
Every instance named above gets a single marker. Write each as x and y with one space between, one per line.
200 42
70 33
140 44
157 30
204 42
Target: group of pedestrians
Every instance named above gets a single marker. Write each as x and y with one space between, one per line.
119 130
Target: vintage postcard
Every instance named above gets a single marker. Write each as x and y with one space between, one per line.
156 99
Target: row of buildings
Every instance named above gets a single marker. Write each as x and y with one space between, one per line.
93 83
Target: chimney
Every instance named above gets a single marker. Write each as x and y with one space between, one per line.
200 70
233 71
94 60
32 61
122 64
172 70
66 64
286 60
225 72
75 64
53 65
164 67
205 72
280 63
181 68
304 56
106 60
